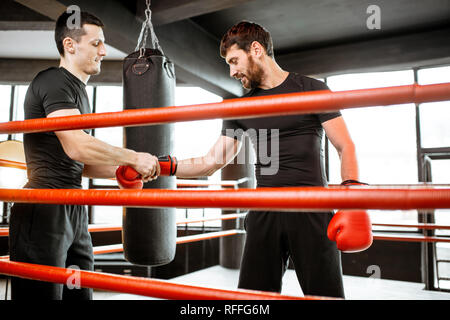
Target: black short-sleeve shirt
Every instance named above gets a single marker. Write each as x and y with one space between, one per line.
288 149
48 166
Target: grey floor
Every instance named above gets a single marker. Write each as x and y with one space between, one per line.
356 288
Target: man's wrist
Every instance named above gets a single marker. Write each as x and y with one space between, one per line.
130 158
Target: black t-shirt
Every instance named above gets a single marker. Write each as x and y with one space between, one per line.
48 166
298 159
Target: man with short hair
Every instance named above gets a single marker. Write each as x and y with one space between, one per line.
57 235
311 240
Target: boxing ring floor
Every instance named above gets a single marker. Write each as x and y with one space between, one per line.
356 288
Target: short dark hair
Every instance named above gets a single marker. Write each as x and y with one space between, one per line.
243 34
62 30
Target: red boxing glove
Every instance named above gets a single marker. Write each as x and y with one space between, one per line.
351 229
128 178
168 165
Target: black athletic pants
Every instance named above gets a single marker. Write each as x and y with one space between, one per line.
53 235
273 237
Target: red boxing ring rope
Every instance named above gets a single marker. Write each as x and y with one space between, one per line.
252 107
136 285
316 198
180 240
13 164
287 198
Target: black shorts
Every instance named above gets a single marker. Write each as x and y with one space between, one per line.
53 235
273 237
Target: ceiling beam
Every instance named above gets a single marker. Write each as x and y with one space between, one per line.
395 53
164 12
194 52
48 8
15 16
27 25
22 71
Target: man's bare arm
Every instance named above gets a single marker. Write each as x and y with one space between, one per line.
222 152
337 132
82 147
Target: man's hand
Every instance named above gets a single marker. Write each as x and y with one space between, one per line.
147 166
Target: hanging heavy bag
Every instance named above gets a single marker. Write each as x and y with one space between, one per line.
149 234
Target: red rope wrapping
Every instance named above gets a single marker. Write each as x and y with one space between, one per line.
4 231
180 240
136 285
285 199
252 107
13 164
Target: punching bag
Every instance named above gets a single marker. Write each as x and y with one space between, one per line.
149 234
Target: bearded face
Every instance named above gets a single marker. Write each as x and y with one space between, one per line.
243 67
253 74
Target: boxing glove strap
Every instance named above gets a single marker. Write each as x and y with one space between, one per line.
172 162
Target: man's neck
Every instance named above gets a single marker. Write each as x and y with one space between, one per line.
273 75
73 70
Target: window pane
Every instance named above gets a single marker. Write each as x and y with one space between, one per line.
107 215
109 99
434 117
441 174
195 138
440 171
384 136
385 144
368 80
5 102
434 124
433 75
394 217
90 93
21 92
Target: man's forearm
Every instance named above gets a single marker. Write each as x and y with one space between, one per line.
196 167
99 172
92 151
349 164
